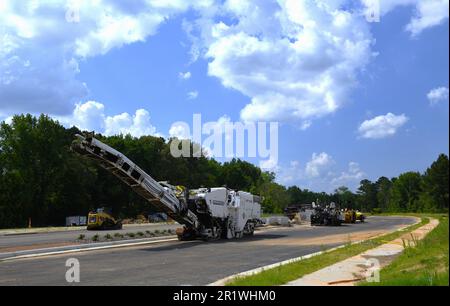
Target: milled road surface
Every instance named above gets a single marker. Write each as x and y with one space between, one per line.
193 263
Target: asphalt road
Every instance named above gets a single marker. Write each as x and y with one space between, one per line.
54 238
192 263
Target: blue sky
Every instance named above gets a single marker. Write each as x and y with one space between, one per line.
353 99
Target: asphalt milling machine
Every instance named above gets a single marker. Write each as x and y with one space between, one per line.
206 213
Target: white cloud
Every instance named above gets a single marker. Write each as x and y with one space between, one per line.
185 75
180 130
40 49
437 95
382 126
350 178
91 116
192 95
293 59
137 125
427 13
270 164
289 175
321 173
318 164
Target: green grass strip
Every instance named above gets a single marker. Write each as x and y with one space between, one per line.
424 264
289 272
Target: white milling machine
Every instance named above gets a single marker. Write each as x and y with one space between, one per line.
207 213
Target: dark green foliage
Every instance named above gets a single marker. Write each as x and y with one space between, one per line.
42 180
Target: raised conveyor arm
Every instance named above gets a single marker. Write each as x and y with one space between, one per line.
143 184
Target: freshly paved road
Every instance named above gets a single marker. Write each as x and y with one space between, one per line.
192 263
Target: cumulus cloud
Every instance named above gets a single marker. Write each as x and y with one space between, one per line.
350 178
320 173
180 130
90 116
42 42
136 125
428 14
437 95
382 126
318 164
295 60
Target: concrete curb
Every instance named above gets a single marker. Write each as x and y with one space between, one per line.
224 281
80 248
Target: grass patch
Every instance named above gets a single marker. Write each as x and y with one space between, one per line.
423 264
95 238
284 274
81 237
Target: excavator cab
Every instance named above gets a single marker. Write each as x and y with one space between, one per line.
102 219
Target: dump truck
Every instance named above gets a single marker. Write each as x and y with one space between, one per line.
205 213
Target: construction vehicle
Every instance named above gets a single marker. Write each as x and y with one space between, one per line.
329 215
291 212
349 216
102 219
360 216
206 213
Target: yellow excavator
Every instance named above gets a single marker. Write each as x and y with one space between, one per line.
102 219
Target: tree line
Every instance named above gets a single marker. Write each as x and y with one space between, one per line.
42 179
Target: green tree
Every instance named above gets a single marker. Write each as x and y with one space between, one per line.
435 184
345 198
384 190
406 191
367 192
